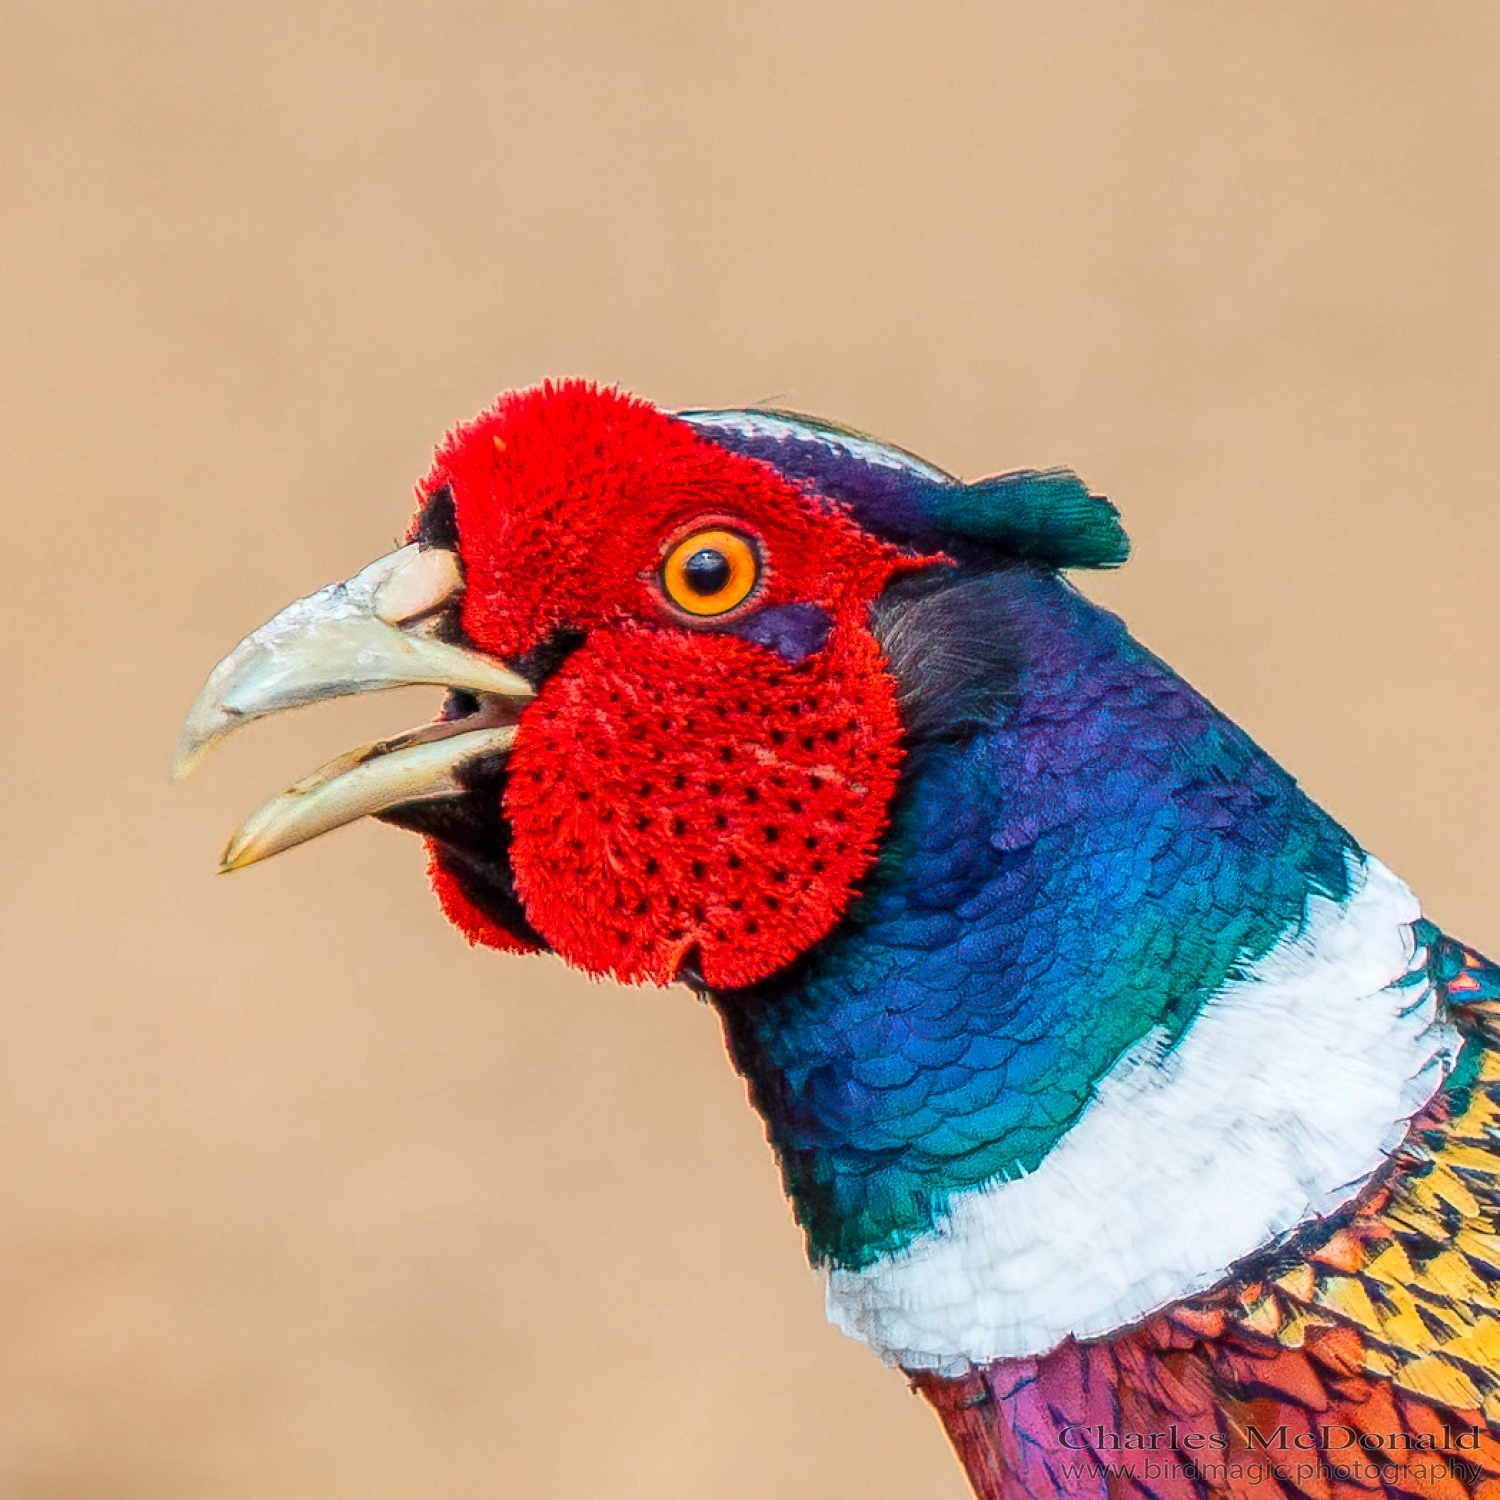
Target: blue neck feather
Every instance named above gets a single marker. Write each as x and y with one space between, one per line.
1090 856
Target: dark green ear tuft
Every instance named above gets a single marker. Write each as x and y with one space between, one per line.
1046 515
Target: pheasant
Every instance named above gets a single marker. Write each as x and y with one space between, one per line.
1127 1105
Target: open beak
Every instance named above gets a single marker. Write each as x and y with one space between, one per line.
376 630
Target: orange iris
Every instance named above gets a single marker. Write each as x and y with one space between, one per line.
710 572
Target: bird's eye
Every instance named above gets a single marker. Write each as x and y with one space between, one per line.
710 572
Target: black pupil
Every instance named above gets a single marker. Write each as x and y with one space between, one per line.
706 572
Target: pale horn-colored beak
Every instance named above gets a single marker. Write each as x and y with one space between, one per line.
373 631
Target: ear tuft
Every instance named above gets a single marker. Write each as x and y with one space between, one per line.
1045 515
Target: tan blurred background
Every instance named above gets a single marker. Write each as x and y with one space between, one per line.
299 1197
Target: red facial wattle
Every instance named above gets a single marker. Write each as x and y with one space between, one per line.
671 792
682 784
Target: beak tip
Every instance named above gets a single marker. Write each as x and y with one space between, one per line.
200 732
235 857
